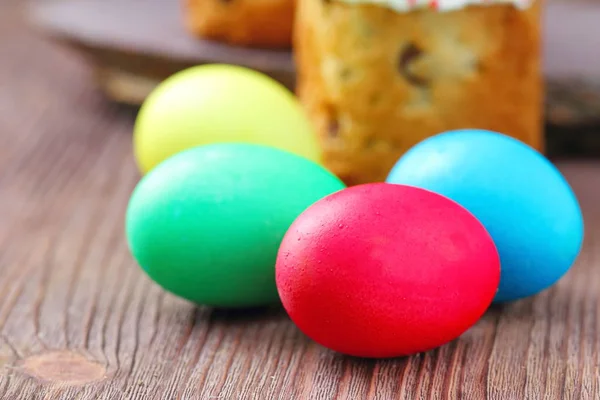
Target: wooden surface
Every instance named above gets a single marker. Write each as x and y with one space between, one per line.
133 49
79 320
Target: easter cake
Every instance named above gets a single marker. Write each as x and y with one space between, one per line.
377 77
256 23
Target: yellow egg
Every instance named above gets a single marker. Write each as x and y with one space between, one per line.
218 103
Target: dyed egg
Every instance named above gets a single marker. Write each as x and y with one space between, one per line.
218 103
519 196
206 223
382 270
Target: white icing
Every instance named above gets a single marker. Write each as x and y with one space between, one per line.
440 5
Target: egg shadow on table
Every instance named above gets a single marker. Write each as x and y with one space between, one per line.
242 316
126 110
370 362
498 309
526 309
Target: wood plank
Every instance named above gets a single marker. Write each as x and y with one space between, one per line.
78 319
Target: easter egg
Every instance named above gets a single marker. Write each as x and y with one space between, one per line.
218 103
380 270
520 197
206 223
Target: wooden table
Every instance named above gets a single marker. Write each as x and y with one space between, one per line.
79 320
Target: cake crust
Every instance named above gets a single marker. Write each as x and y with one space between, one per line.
253 23
375 82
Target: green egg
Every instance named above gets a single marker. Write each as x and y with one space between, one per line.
206 223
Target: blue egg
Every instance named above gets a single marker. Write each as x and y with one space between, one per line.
521 198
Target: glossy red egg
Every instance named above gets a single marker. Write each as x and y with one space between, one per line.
382 270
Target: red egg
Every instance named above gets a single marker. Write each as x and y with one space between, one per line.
382 270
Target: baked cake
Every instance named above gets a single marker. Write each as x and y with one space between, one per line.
255 23
377 77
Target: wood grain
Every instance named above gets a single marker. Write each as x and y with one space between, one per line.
79 320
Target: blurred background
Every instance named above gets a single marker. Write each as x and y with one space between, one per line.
120 50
